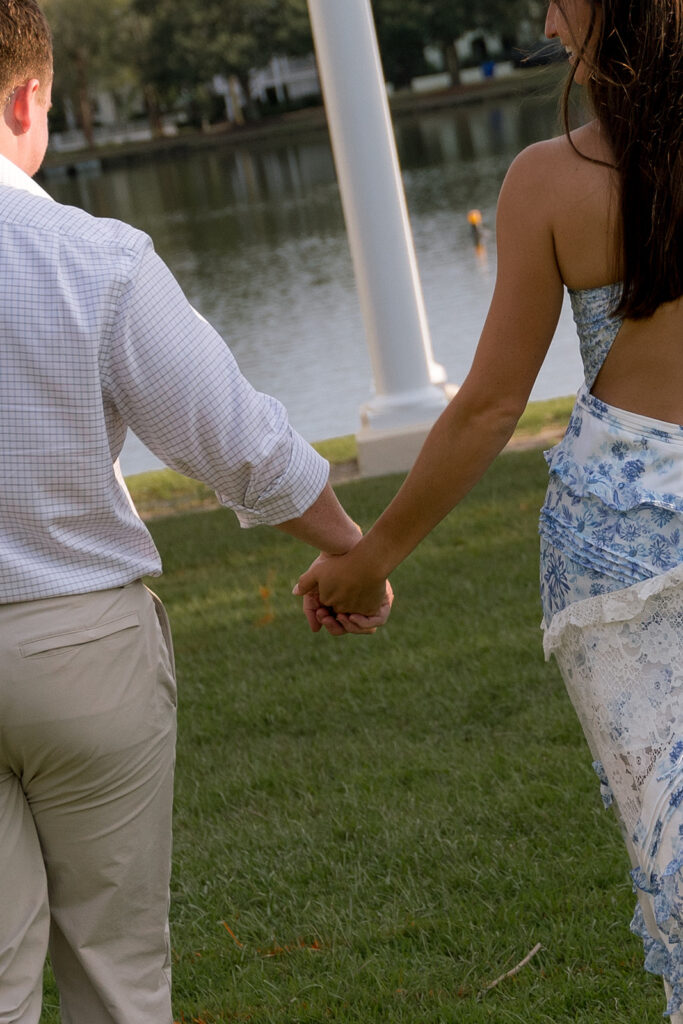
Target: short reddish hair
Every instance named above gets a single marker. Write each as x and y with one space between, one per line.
25 45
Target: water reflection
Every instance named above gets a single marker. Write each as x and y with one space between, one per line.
256 237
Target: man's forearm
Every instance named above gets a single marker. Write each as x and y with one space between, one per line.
324 525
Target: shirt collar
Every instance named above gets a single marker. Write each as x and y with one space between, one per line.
13 176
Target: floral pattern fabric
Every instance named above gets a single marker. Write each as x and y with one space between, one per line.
613 513
596 328
612 593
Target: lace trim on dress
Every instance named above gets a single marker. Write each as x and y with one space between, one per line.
616 606
621 657
658 841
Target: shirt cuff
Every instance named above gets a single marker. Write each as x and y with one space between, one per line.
291 494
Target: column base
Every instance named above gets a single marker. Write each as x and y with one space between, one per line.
389 451
389 441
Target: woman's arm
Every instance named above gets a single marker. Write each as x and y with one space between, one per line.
480 419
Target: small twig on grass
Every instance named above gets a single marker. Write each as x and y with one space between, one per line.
512 971
232 935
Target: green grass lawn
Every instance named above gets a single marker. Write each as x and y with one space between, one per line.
376 828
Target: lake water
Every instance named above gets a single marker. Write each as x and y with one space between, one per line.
255 235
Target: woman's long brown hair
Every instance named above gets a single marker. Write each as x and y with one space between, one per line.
635 85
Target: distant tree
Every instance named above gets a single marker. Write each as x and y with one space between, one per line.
406 27
447 20
450 19
506 16
89 43
187 44
402 35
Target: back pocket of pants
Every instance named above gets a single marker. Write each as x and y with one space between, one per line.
57 642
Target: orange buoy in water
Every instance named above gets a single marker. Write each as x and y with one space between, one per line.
474 220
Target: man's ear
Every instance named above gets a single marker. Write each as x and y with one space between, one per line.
19 109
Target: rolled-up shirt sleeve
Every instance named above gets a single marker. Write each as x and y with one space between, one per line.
174 381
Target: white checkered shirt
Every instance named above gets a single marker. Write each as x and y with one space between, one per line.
96 336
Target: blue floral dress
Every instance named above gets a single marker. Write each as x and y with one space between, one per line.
612 592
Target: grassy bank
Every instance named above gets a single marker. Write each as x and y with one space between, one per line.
376 829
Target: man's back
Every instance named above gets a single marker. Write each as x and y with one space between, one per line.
66 521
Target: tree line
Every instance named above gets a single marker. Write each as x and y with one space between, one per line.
168 52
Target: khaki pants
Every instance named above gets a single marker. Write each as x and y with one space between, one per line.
87 741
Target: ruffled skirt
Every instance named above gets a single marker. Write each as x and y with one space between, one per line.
612 587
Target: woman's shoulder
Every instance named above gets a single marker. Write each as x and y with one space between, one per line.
565 179
569 186
562 163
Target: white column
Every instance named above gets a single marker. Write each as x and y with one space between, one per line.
406 378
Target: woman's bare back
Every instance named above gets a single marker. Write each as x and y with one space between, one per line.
644 369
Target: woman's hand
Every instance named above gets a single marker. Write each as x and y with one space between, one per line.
342 596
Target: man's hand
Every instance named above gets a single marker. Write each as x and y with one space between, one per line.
321 616
377 600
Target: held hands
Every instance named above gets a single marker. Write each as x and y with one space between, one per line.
336 584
